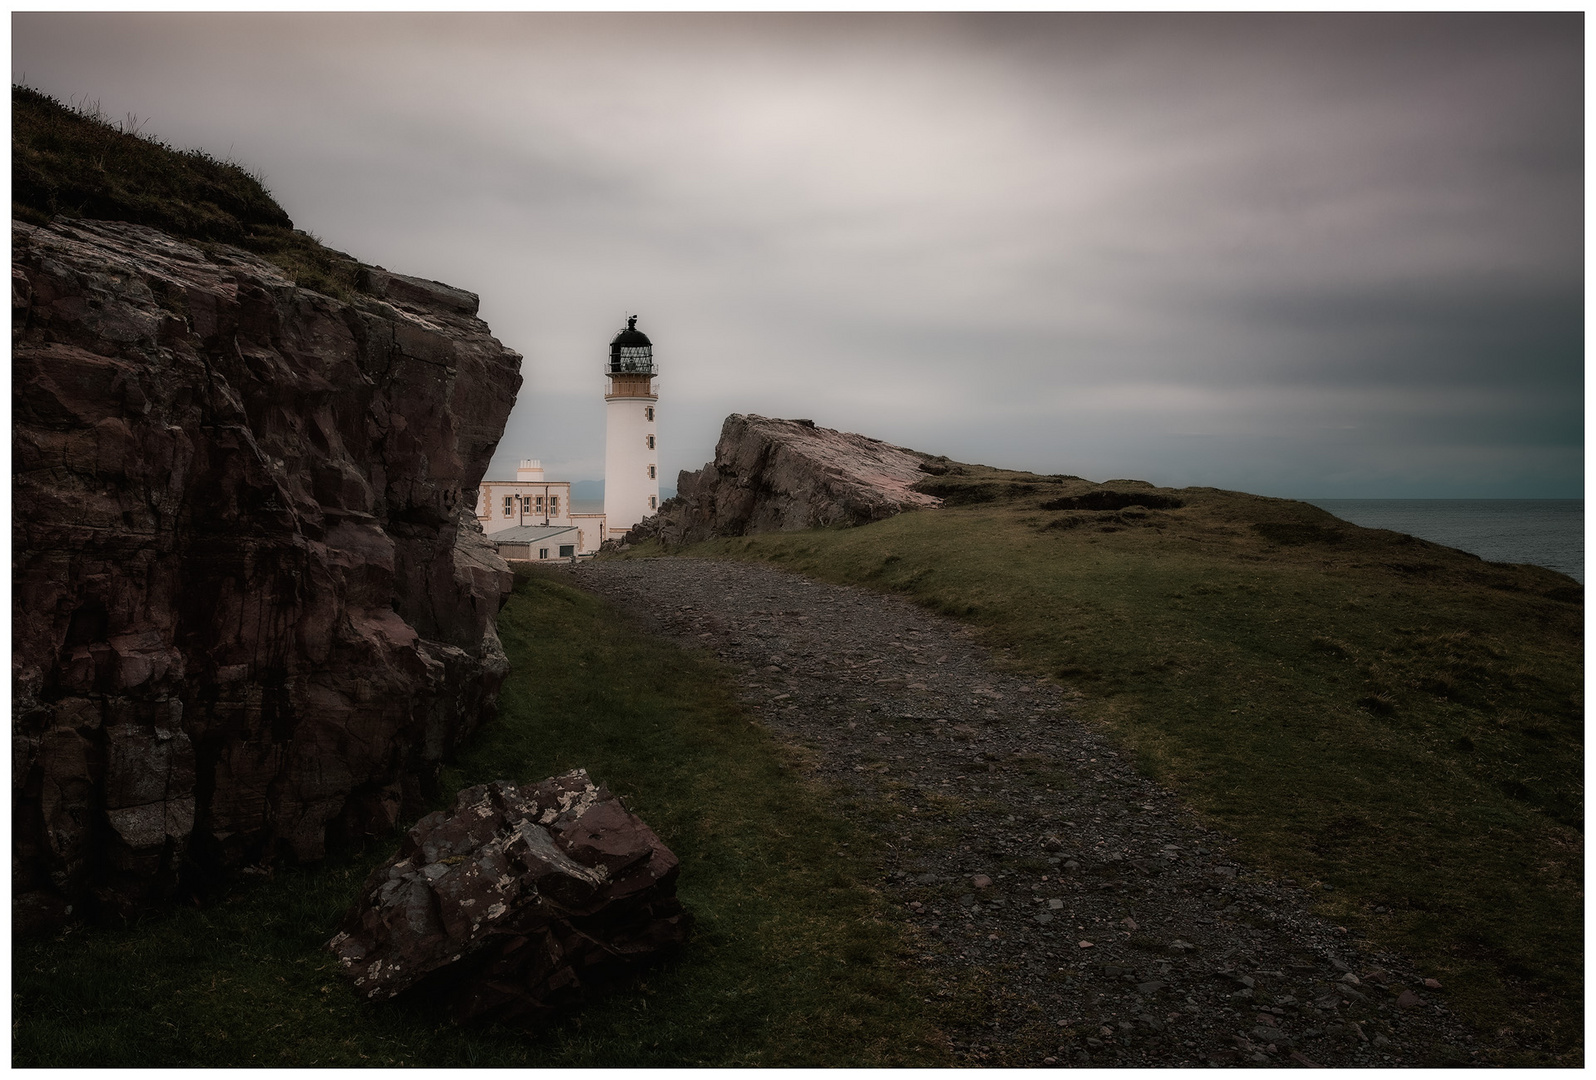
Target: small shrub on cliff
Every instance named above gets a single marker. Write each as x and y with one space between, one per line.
71 160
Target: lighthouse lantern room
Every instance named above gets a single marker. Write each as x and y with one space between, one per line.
631 458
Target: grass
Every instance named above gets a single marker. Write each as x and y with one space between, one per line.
69 159
1398 724
795 960
1395 720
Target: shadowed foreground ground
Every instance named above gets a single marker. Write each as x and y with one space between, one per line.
1067 910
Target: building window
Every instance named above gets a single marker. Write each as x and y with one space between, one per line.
567 550
543 553
507 501
651 442
651 472
539 502
554 504
648 413
652 500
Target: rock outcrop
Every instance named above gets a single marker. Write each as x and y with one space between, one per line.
515 903
253 610
786 475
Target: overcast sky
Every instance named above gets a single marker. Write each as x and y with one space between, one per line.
1309 256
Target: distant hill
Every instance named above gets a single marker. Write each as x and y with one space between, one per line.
587 496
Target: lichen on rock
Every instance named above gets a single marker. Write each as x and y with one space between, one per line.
516 902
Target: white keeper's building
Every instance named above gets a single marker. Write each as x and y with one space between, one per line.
535 512
531 516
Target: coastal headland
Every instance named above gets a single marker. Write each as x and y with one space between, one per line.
1394 725
885 707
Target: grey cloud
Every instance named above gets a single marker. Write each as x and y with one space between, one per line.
1194 246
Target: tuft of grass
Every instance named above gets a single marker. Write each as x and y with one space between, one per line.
71 160
1395 720
795 959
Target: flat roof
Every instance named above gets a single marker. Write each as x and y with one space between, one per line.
529 534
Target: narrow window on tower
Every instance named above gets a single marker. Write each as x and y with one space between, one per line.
651 472
648 413
653 500
651 442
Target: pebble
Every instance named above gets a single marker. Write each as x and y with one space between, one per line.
985 782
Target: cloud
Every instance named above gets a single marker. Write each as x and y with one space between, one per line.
943 230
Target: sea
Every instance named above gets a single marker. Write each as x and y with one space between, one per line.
1545 532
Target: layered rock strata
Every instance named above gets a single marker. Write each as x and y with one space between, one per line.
516 902
774 475
253 610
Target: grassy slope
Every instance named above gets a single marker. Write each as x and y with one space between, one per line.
793 961
1396 720
72 161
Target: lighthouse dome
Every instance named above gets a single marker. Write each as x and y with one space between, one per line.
631 336
631 351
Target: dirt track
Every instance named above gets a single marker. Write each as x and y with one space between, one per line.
1070 911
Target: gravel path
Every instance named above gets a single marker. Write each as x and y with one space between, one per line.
1099 921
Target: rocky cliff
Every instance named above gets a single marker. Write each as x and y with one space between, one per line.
785 475
252 609
517 902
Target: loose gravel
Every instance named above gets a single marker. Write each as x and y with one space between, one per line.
1068 909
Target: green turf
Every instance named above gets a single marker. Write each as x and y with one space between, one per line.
71 160
795 960
1398 721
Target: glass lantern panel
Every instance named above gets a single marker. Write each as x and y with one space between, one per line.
633 358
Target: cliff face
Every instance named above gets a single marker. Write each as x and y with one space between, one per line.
785 475
253 610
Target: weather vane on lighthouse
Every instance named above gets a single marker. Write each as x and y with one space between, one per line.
631 458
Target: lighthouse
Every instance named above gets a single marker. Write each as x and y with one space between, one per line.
631 458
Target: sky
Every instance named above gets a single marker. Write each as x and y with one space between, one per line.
1310 256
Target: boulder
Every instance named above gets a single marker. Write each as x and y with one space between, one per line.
515 903
253 609
773 475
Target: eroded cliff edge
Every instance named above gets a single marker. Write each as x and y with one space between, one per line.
772 475
253 610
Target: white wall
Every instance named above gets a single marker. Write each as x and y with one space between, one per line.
628 488
490 504
591 531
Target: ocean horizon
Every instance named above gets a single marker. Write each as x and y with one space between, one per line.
1542 532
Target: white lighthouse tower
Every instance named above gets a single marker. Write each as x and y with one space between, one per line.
631 458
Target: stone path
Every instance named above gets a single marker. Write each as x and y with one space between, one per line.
1069 909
